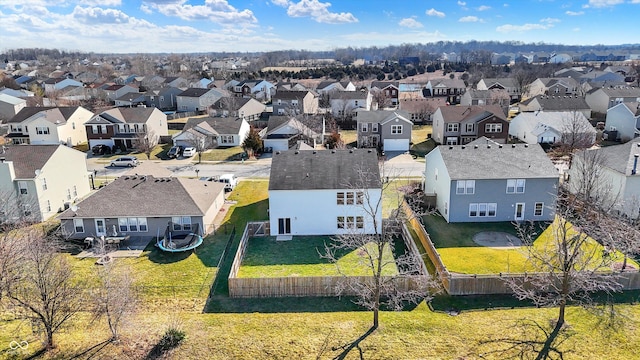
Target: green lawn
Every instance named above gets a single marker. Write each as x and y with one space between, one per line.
266 257
222 154
460 254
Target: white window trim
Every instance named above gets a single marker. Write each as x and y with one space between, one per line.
488 209
468 187
396 129
514 184
535 209
78 224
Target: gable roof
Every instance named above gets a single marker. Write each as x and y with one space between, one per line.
555 103
221 125
560 121
194 92
11 99
127 115
619 158
148 196
384 84
324 169
53 114
381 116
479 162
504 82
618 91
291 94
470 113
28 158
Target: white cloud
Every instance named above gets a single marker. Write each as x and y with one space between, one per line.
469 19
217 11
462 3
574 13
411 23
146 9
602 3
319 12
94 15
550 21
103 3
576 29
520 28
283 3
434 12
484 8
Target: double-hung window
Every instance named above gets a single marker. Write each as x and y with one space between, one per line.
538 209
465 186
516 186
78 225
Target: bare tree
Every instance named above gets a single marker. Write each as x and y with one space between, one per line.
145 142
381 99
201 142
114 299
524 78
46 288
577 133
372 239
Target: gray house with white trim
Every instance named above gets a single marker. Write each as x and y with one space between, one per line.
491 183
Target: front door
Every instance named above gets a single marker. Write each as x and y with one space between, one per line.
101 228
519 215
284 226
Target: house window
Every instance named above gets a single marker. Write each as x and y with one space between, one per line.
22 185
483 209
123 225
103 129
340 198
453 127
374 127
181 223
359 197
132 224
538 209
340 222
94 129
470 127
452 140
73 125
515 186
359 222
493 128
44 184
226 139
465 186
350 222
78 225
364 127
350 198
142 224
42 130
396 129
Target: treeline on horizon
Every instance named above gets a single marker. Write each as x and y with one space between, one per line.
346 54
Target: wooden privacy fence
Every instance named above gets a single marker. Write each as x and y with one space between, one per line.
464 284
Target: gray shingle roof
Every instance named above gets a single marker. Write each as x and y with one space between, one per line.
620 158
52 113
222 125
27 158
127 115
556 103
496 162
324 169
149 197
461 113
380 116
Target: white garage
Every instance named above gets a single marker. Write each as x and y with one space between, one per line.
396 144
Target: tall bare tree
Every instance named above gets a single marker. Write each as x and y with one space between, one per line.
46 288
382 287
577 132
145 142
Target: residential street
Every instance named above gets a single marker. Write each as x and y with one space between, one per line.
396 165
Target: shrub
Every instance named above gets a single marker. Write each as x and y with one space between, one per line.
171 338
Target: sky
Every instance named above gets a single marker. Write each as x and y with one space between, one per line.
186 26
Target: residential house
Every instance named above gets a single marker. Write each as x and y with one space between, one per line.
54 85
508 85
388 90
388 129
112 92
326 192
617 167
345 103
198 100
164 99
259 89
22 94
72 94
556 127
37 181
623 122
601 99
211 132
553 86
485 97
488 183
121 127
175 81
560 58
289 86
130 99
248 108
49 125
601 76
143 206
453 125
285 132
550 103
420 109
10 106
295 103
329 86
451 89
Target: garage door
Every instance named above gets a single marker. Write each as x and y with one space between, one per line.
396 144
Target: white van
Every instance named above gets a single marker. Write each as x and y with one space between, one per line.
230 181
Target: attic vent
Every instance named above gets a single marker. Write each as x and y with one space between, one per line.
157 180
126 178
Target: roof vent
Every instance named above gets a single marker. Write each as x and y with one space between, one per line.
526 145
463 147
333 151
450 147
488 146
513 146
475 146
277 152
297 152
351 151
370 151
315 152
499 146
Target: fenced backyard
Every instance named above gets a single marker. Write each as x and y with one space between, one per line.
303 286
485 284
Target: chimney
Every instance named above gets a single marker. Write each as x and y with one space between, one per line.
635 164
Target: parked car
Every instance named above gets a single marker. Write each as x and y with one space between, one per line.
101 149
188 151
230 181
174 152
129 161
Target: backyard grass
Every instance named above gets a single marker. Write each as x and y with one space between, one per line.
266 257
460 254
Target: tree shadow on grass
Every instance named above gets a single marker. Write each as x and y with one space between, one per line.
346 348
87 353
226 304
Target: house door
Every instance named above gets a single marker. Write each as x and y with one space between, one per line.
519 215
284 226
101 228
